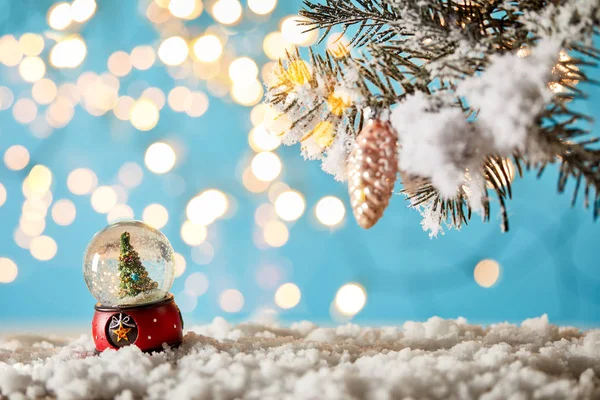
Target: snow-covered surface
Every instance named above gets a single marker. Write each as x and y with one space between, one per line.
437 359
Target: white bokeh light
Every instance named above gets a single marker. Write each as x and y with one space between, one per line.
160 158
290 205
350 298
266 166
330 211
287 296
231 300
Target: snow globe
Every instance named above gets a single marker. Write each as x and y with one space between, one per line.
129 268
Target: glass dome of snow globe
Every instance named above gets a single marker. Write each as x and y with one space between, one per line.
129 263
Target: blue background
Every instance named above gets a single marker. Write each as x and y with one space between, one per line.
548 259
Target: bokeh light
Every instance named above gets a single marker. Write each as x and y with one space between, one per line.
260 139
287 296
266 166
262 7
144 115
486 273
205 208
131 174
82 10
32 69
185 9
208 48
63 212
39 179
120 212
68 53
193 234
31 44
59 16
119 63
294 32
155 215
24 111
103 199
196 283
82 181
227 12
196 104
43 248
231 300
122 109
160 158
243 69
156 96
275 233
252 183
8 270
142 57
180 264
44 91
247 93
2 195
173 51
330 211
203 254
290 205
16 157
275 46
6 98
350 299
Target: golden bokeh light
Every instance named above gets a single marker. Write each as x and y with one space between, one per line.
16 157
24 111
31 44
6 98
82 10
82 181
160 158
330 211
68 53
178 98
206 71
143 57
205 208
262 140
243 69
231 301
486 273
103 199
60 113
119 63
2 195
180 264
275 46
44 91
196 104
227 12
208 48
266 166
275 233
10 51
247 93
350 299
294 32
144 114
193 234
39 179
155 215
173 51
43 248
122 109
290 205
262 7
8 270
120 212
264 213
59 16
185 9
70 92
64 212
257 115
32 227
156 96
252 183
131 174
287 296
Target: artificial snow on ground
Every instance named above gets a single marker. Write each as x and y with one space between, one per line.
437 359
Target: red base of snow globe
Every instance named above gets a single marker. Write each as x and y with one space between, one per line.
146 326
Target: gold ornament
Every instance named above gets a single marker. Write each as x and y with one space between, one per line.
121 333
372 168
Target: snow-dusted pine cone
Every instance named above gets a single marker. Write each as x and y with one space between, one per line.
372 169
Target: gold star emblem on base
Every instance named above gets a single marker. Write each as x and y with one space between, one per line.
121 333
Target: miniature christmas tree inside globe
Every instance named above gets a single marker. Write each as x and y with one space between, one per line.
129 263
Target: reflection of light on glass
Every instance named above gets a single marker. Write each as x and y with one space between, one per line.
207 207
82 10
44 91
330 211
144 115
262 140
186 9
173 51
262 7
196 283
208 48
119 63
203 254
82 181
193 234
59 16
287 296
350 298
142 57
268 276
43 248
289 205
16 157
68 53
31 44
120 212
243 69
266 166
32 69
8 270
275 46
486 273
294 32
64 212
104 198
231 300
155 215
39 179
160 158
252 183
180 264
275 233
227 12
131 174
24 111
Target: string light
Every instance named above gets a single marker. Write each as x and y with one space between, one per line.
330 211
64 212
173 51
103 199
287 296
59 16
82 181
262 7
68 53
266 166
227 12
486 273
8 270
208 48
155 215
231 300
350 299
160 158
16 158
290 205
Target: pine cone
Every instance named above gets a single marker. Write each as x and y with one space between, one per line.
372 168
